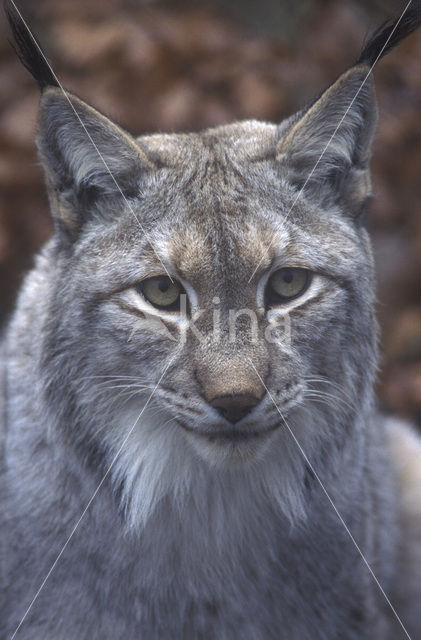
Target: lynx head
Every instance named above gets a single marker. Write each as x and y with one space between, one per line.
227 271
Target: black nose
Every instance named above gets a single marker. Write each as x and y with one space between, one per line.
235 406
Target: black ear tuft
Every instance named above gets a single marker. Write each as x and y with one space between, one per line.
28 49
389 34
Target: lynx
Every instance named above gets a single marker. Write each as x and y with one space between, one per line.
192 448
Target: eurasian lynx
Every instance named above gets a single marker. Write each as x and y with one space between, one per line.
191 445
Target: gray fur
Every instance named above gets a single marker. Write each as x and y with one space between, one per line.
191 537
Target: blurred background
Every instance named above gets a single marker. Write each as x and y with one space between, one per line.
184 65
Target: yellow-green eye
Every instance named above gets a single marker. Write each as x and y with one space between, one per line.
162 292
286 284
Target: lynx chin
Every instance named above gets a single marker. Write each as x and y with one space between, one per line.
188 378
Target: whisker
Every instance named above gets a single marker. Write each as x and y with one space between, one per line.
329 399
326 380
113 377
125 386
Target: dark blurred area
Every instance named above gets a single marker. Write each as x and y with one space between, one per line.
168 66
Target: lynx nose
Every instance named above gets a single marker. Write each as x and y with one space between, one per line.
235 406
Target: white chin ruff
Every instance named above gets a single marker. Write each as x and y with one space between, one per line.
159 460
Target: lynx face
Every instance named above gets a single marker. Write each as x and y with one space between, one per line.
218 275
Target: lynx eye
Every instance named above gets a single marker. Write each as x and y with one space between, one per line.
162 292
286 284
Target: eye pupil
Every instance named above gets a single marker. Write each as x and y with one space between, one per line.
162 292
286 284
163 285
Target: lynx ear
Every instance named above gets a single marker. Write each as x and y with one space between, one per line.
87 158
327 150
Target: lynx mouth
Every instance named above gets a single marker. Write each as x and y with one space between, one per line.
233 435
